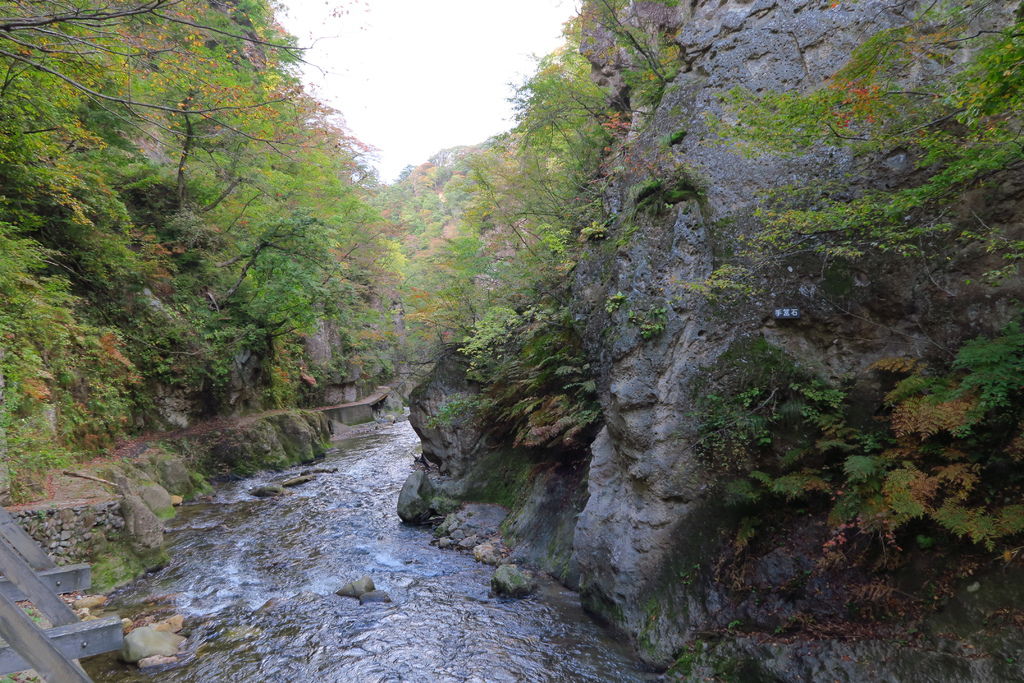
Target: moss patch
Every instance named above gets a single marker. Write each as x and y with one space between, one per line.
116 563
500 477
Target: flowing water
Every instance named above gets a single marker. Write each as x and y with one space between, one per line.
234 554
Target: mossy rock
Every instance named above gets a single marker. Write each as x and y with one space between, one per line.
116 563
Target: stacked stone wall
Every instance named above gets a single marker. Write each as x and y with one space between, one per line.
70 533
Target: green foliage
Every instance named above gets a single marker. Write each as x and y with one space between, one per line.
455 409
653 56
960 129
651 322
614 302
538 390
950 455
171 201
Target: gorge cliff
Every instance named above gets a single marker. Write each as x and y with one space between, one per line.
737 509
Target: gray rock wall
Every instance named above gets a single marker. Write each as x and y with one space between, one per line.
450 440
645 521
652 515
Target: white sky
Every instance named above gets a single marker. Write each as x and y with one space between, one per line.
413 77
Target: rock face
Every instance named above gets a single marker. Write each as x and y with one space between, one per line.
414 501
144 528
269 443
157 499
641 525
651 515
146 641
449 441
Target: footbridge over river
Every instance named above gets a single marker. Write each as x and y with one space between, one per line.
358 412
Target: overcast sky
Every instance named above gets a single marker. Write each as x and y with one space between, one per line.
413 77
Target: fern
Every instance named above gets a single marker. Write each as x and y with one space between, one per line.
859 468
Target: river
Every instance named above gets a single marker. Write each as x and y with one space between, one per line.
232 555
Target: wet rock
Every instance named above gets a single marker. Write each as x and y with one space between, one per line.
357 588
171 624
488 553
156 661
374 596
444 543
298 481
89 602
146 641
268 491
414 500
319 470
468 543
512 582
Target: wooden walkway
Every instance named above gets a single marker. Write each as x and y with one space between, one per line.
30 574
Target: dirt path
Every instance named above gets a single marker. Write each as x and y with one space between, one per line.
61 489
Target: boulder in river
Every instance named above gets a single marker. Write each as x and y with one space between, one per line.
268 491
357 588
488 553
510 581
374 596
146 641
415 498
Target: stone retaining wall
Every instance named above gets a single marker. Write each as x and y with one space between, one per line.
70 533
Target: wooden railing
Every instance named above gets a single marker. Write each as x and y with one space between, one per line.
30 574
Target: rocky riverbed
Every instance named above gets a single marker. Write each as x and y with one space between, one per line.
255 579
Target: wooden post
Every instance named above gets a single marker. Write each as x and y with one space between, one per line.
17 571
26 546
22 634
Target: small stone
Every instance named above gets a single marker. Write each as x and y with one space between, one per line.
374 596
357 588
171 624
126 624
156 660
90 602
268 491
177 500
512 582
468 543
445 542
974 587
